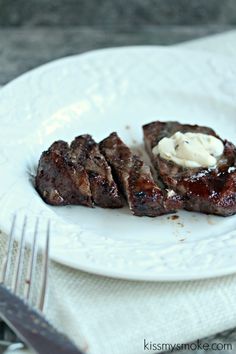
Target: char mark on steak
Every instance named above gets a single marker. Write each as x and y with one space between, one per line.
59 180
104 190
134 178
211 191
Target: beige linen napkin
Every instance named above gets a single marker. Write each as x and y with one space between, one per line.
116 317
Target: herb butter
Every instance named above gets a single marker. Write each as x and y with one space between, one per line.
190 149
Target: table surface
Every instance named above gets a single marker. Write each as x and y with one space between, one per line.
22 49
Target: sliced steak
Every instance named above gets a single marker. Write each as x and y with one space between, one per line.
104 190
59 180
134 178
211 191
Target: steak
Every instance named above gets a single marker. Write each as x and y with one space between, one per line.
211 191
61 181
104 190
134 178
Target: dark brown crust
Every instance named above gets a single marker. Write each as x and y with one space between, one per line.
133 176
104 190
208 191
59 181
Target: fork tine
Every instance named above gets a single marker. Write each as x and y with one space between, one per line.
33 260
45 269
20 257
7 262
31 263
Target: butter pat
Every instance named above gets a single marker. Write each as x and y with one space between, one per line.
190 149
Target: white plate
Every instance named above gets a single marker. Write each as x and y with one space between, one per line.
118 90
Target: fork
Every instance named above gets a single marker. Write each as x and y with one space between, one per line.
8 339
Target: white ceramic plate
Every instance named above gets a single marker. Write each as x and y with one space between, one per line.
118 90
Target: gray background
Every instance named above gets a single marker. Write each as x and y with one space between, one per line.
130 13
33 32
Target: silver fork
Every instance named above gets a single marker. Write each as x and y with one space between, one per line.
18 283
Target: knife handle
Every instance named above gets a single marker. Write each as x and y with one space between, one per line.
31 327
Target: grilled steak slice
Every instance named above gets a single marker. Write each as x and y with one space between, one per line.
134 178
59 180
211 191
104 190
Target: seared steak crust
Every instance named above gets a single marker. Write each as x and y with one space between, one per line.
134 178
59 180
104 190
211 191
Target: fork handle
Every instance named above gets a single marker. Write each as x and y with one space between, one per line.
31 327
